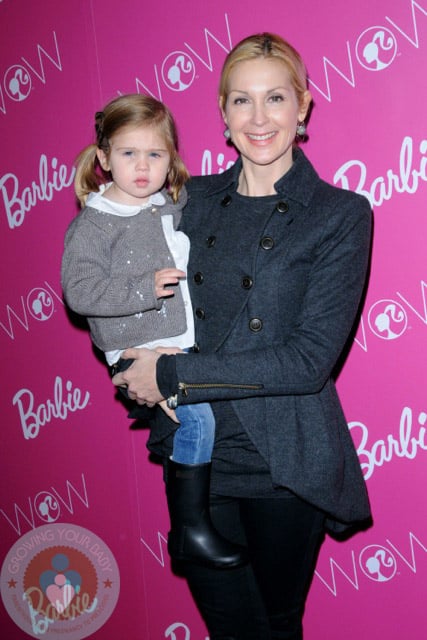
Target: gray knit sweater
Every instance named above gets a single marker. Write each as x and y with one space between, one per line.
108 271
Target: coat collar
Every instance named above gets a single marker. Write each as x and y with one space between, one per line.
298 184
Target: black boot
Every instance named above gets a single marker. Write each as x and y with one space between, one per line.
192 536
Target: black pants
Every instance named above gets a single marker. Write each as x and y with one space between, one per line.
264 600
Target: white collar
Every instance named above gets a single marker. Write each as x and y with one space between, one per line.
98 201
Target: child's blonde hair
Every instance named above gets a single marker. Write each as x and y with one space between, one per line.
129 110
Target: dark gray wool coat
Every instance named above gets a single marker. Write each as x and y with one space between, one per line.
276 285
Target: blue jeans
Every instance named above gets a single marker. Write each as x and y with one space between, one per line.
194 438
193 441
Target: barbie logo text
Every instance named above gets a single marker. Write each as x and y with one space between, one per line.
354 175
18 202
64 400
405 445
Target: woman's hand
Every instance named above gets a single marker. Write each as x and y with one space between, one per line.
169 412
140 378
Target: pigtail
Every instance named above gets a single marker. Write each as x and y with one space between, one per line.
89 173
177 177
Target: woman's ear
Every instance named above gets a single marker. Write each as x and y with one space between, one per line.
304 106
103 159
221 108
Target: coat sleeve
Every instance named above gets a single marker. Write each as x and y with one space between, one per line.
305 361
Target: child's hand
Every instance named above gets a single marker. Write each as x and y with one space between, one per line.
169 412
165 278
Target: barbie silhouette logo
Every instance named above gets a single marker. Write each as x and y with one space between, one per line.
377 563
387 319
47 507
59 580
376 48
178 71
40 304
17 83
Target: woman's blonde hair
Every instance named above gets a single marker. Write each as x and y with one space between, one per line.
129 110
265 45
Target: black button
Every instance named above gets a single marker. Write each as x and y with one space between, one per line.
255 325
267 243
247 282
211 241
200 313
198 277
195 348
282 207
226 201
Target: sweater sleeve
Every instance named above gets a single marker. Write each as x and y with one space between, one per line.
89 286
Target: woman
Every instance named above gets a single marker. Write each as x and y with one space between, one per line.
277 268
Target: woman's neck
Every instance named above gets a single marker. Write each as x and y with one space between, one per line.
258 180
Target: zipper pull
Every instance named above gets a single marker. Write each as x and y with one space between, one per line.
183 388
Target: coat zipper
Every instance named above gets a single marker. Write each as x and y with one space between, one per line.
184 386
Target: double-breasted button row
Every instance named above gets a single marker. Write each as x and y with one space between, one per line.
282 207
255 325
246 282
267 243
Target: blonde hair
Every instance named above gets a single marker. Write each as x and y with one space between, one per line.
128 110
265 45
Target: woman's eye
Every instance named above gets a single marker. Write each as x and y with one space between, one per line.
276 98
240 101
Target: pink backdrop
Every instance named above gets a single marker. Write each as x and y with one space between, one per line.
70 461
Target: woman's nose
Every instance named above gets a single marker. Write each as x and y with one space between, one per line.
259 115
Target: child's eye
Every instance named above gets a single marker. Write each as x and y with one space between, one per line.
154 154
128 153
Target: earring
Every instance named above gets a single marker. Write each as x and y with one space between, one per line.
301 129
227 133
